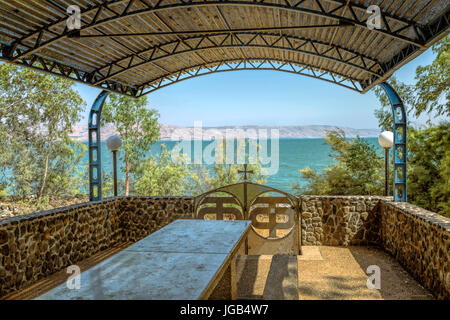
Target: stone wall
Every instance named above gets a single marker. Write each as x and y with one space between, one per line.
142 216
35 246
417 238
339 220
420 241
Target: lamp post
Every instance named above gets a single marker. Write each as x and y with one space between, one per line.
386 140
114 143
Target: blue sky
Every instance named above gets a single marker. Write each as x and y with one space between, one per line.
265 98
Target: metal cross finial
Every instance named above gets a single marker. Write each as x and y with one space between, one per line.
245 172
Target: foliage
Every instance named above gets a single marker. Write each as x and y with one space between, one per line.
37 158
172 174
429 168
429 94
221 175
70 156
137 126
108 185
433 82
428 179
206 179
358 169
163 176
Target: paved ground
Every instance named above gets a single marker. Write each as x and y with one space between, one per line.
328 273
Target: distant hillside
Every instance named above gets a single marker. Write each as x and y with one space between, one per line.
293 132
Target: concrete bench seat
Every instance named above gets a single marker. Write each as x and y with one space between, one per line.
186 260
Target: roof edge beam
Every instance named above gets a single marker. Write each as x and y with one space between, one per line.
435 31
57 69
246 64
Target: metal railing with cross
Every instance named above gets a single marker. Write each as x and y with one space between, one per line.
274 213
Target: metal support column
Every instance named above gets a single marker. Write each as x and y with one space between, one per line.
400 150
95 153
386 172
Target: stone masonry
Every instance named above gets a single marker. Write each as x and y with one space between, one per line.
420 241
340 221
35 246
142 216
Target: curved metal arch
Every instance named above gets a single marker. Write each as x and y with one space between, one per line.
285 46
160 6
400 153
223 188
246 64
95 153
198 199
400 148
272 189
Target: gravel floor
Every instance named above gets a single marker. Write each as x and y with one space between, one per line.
332 273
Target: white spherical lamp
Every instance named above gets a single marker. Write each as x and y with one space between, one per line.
386 139
114 143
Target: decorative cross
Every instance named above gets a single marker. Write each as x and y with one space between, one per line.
245 172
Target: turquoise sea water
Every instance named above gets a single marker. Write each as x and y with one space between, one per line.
294 154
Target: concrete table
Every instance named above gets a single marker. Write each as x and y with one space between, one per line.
186 260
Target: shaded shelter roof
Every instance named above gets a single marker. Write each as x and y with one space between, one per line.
135 47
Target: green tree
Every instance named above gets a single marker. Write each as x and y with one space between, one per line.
37 112
164 175
219 175
172 174
358 169
137 126
70 155
433 82
429 168
429 94
428 148
108 184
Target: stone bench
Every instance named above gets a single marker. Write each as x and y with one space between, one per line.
186 260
